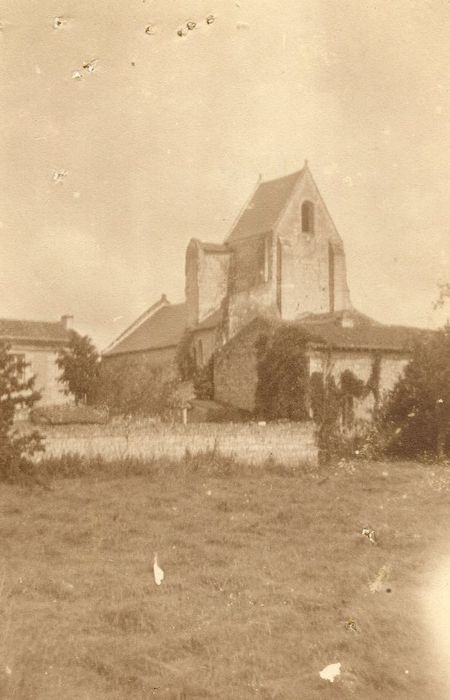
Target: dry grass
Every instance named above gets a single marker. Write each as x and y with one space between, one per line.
264 568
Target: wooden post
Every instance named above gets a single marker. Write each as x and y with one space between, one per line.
184 415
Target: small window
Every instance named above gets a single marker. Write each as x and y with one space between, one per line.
307 217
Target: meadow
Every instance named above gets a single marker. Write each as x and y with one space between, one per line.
268 579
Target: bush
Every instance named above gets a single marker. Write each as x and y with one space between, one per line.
130 386
203 381
416 415
16 391
332 409
67 415
184 358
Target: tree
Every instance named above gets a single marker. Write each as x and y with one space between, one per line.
133 387
79 363
417 411
443 296
16 391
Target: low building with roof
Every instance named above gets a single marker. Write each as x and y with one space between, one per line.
283 260
38 344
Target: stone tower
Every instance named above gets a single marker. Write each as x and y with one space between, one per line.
283 257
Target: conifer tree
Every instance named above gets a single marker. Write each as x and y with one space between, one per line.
16 391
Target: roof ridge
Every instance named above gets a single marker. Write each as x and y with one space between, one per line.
262 210
283 177
8 319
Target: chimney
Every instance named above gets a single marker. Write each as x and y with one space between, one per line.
347 320
67 322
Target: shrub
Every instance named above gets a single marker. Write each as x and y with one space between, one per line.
416 415
184 358
332 410
130 386
66 415
203 381
16 391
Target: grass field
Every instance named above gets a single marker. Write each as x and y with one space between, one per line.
267 581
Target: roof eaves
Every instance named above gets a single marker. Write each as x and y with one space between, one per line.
140 351
27 340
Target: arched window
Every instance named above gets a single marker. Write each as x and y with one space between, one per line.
307 217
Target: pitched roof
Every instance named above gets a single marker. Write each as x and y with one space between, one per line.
161 330
265 207
326 330
163 301
365 336
14 330
339 317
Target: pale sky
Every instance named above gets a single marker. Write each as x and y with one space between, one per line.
169 148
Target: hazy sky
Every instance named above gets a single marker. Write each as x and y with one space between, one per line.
166 138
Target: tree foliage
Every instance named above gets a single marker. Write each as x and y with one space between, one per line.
443 295
79 365
184 358
129 386
332 407
203 381
417 411
282 368
16 391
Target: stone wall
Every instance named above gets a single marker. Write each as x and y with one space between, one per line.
206 280
305 258
291 444
235 370
361 363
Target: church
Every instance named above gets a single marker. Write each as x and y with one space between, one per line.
283 262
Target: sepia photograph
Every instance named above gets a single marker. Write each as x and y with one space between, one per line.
224 349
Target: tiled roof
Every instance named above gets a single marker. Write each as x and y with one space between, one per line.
366 337
13 330
162 330
265 207
365 334
337 317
